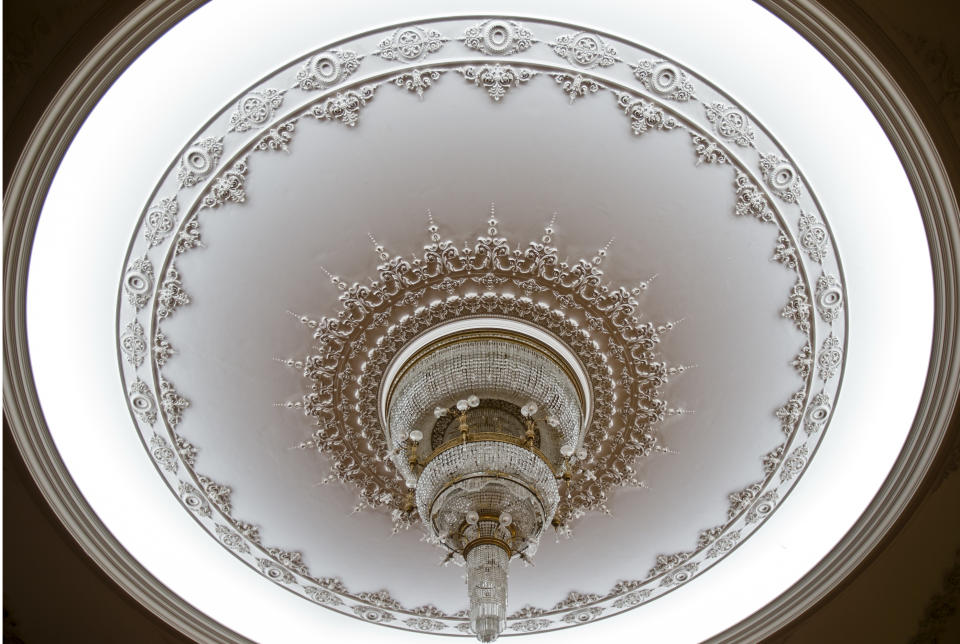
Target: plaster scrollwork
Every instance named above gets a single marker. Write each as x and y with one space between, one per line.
290 559
817 413
498 37
373 614
635 598
644 116
186 451
707 150
829 358
327 69
772 459
723 544
803 361
217 493
232 540
751 201
679 575
277 138
742 499
530 625
162 350
798 307
813 237
172 403
194 499
527 612
664 79
323 596
576 85
781 177
345 106
188 237
133 343
730 123
576 599
138 281
410 44
785 253
583 615
585 50
763 507
255 109
228 187
790 414
275 572
171 294
417 80
199 160
425 624
160 220
794 464
829 296
142 402
162 453
496 79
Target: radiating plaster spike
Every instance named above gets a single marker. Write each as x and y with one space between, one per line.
303 319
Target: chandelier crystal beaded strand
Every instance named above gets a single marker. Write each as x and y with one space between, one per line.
507 410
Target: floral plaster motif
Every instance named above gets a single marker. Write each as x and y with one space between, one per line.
498 38
497 79
661 80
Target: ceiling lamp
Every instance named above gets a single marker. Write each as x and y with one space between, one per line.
492 474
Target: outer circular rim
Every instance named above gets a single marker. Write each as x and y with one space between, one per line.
926 168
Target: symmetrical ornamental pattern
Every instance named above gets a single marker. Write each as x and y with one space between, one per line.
490 275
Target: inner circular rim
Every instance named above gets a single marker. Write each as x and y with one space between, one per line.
534 335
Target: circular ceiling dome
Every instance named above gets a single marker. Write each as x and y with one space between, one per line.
347 231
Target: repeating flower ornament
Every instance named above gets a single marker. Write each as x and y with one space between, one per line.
664 79
274 572
817 413
781 177
530 625
730 123
644 116
163 454
829 297
498 37
142 402
584 615
373 614
194 499
813 237
345 106
829 358
576 85
255 109
584 50
199 161
410 43
327 69
497 79
160 220
323 596
417 80
763 507
138 281
133 344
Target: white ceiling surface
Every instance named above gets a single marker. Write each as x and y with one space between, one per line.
671 217
91 211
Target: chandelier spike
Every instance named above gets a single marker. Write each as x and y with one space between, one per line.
378 248
432 228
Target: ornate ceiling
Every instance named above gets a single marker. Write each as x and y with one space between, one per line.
371 187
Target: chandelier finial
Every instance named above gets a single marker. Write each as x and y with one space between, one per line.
378 248
433 229
492 222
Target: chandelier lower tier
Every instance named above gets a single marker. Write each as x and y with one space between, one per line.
485 417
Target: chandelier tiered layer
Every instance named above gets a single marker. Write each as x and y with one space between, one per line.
485 423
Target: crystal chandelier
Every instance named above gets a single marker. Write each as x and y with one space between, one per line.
486 419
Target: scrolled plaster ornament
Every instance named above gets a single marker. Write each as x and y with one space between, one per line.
583 615
410 43
424 624
530 625
664 79
133 343
584 50
829 358
275 572
188 237
817 413
829 296
228 187
742 499
162 351
763 507
797 308
707 150
373 614
218 494
323 596
791 412
172 403
138 281
576 86
232 540
496 79
327 69
813 237
171 294
784 252
803 361
142 402
417 80
575 599
751 200
498 37
194 499
162 453
723 544
781 177
644 115
345 106
255 109
794 464
771 460
679 575
730 123
635 598
186 451
199 160
160 220
278 138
